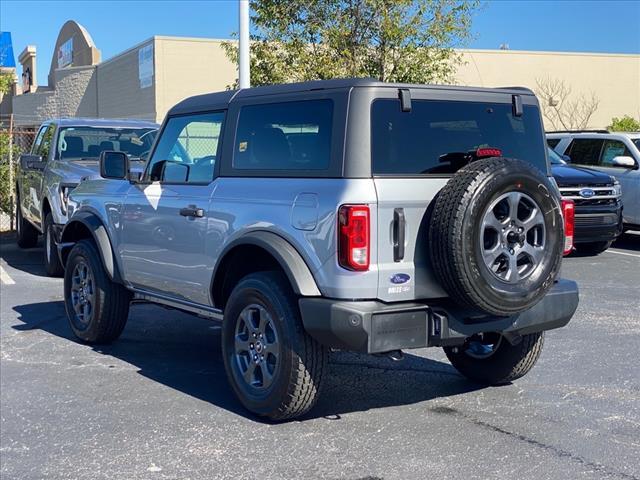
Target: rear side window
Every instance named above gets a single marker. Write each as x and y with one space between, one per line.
585 151
434 135
284 136
552 142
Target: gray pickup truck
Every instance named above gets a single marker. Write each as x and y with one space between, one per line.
340 214
64 152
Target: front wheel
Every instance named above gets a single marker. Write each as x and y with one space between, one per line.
275 368
52 263
490 359
97 308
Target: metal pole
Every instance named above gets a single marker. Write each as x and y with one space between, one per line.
243 56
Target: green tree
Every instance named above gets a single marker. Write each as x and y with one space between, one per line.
624 124
391 40
6 205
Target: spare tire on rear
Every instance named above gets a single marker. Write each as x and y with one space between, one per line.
496 236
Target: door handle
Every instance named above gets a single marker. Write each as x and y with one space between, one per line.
192 211
399 227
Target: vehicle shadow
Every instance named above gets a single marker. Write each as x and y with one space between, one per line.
29 260
183 352
628 241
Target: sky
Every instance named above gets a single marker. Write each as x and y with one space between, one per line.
573 26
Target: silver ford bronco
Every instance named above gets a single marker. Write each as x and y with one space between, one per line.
65 151
342 214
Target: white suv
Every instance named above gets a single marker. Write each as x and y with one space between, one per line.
617 154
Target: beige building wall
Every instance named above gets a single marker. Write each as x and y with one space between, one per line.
613 78
189 66
119 92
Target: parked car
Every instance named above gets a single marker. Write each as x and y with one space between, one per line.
598 204
614 153
339 214
64 152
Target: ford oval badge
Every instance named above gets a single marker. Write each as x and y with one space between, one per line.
400 278
587 193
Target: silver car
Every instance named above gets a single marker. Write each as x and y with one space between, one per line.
614 153
339 214
64 152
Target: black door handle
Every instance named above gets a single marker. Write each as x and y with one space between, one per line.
399 227
192 211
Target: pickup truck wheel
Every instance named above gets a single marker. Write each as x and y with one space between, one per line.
495 236
97 308
491 360
593 248
52 263
26 234
275 368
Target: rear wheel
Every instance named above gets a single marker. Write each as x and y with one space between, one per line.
26 234
490 359
52 263
593 248
97 308
275 368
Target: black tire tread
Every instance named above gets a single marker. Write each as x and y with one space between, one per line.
114 299
53 268
505 366
308 357
594 248
446 224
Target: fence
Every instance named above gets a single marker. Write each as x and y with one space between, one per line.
13 142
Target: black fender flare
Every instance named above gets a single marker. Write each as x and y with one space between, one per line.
100 236
285 254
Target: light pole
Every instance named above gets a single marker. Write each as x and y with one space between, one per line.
243 57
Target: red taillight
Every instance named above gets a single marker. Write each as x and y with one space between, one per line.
353 237
568 213
488 152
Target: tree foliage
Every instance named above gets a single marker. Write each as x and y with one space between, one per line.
624 124
6 80
391 40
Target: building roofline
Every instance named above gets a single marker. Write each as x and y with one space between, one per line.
547 52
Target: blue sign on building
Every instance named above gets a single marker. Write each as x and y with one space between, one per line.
6 51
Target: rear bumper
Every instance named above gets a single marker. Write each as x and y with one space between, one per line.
376 327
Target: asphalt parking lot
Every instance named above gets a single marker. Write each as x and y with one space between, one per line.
156 404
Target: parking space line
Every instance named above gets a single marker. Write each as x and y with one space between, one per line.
623 253
5 277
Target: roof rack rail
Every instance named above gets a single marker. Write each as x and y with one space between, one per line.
578 131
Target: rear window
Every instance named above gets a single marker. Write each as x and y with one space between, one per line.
427 139
284 136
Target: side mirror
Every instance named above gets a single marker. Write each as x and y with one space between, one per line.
114 165
624 162
32 162
566 158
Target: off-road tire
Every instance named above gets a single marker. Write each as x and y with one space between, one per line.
26 234
506 364
454 238
302 361
52 264
111 300
593 248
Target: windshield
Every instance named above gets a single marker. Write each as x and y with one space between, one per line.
434 136
554 158
636 141
89 142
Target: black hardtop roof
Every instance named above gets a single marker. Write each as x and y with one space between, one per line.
102 122
212 101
